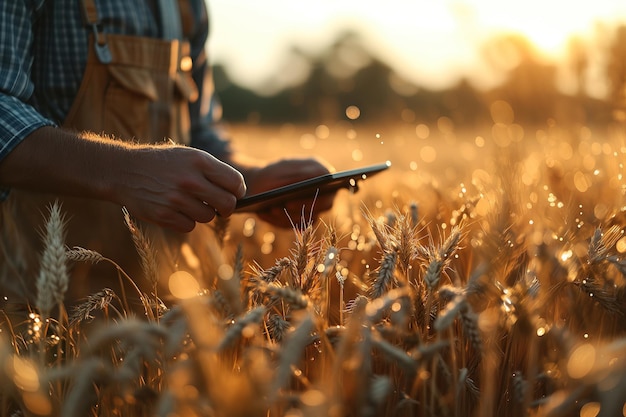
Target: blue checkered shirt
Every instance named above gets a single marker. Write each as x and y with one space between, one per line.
43 52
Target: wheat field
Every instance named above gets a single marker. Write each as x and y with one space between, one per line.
481 275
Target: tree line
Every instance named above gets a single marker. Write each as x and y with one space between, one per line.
530 86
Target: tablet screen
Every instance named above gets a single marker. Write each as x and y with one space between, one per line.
309 188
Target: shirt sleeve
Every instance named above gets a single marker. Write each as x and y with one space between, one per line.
18 118
207 131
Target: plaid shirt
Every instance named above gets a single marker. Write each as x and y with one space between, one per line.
43 52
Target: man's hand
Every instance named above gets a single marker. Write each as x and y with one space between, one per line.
286 172
177 187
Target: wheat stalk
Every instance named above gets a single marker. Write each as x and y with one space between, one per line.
277 327
292 351
53 278
99 301
602 242
271 274
253 316
325 268
293 297
78 254
446 318
391 218
383 237
407 243
380 388
433 273
385 276
469 321
302 253
414 211
145 249
220 304
595 291
440 258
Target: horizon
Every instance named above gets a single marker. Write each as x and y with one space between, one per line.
434 46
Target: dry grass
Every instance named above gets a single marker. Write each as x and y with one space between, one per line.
488 286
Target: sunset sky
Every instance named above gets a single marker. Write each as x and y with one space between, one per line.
429 42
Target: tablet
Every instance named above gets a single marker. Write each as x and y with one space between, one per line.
309 188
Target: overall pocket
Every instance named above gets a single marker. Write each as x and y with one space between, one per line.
127 102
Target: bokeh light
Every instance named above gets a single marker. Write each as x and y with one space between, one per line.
183 285
353 112
581 361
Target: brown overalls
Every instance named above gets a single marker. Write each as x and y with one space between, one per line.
141 92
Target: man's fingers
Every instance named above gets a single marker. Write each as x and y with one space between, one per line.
224 176
200 211
215 198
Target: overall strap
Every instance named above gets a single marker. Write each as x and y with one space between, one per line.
175 23
90 15
187 18
169 12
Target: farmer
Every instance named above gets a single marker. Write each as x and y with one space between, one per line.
107 104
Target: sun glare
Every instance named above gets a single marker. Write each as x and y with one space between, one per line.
431 43
548 25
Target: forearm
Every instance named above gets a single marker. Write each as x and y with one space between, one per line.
170 185
58 161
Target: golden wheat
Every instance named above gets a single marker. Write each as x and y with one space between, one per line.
485 302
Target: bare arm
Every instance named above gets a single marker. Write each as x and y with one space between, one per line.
172 186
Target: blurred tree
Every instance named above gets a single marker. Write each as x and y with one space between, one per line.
319 88
616 73
530 84
579 62
344 75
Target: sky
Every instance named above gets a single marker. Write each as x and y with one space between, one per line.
432 43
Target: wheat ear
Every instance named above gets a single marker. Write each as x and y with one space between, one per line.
385 275
53 278
99 301
292 351
78 254
144 248
233 334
